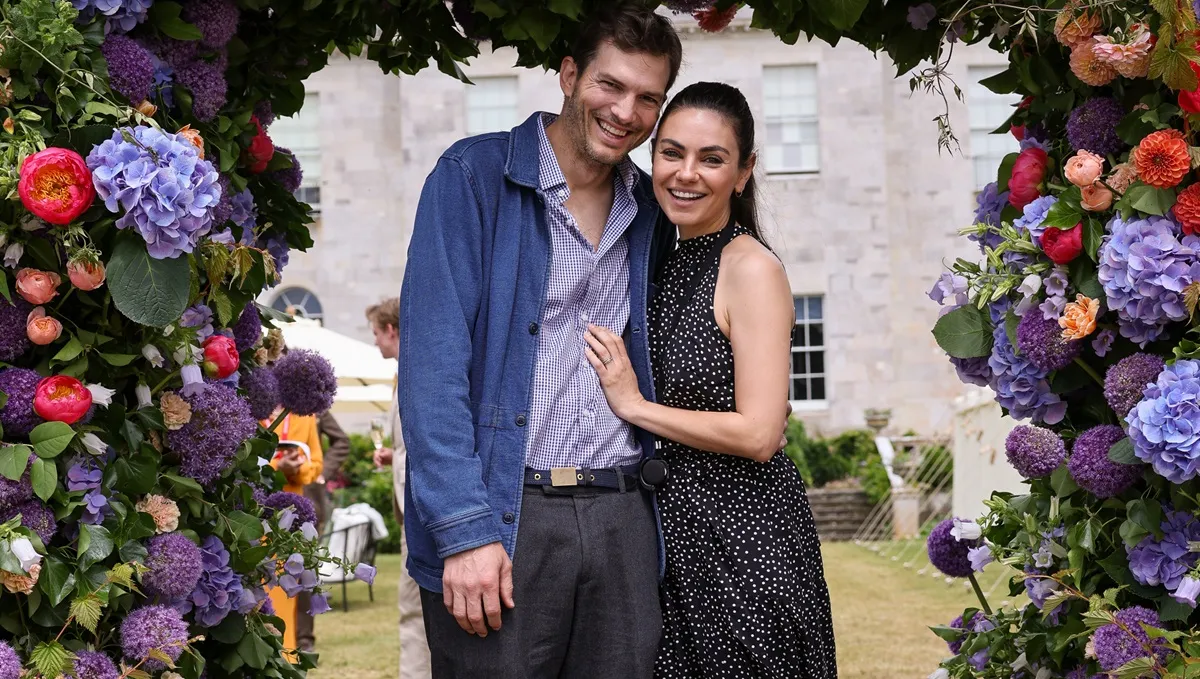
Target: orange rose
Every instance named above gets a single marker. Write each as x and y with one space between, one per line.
1096 198
147 109
1079 318
86 275
1084 168
1162 158
37 287
40 328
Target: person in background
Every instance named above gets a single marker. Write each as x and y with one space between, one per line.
336 450
414 649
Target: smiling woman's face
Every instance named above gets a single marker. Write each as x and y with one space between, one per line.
695 168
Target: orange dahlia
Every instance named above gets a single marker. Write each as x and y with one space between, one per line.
1074 27
1162 159
1090 68
1187 210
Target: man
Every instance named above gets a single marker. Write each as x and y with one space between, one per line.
521 239
414 652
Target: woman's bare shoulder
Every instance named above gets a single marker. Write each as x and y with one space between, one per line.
749 262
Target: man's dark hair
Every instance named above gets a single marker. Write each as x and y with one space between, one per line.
631 27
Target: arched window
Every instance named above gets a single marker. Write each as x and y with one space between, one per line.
298 302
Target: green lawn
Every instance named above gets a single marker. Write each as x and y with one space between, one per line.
881 613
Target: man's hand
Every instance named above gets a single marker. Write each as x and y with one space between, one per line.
383 457
290 463
474 583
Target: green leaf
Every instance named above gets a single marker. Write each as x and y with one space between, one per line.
247 528
51 438
72 349
183 486
100 544
489 8
165 15
1151 200
841 14
254 651
1062 216
1093 236
148 291
44 477
118 360
567 8
1122 452
1004 82
87 611
1062 483
1083 277
133 552
221 305
1132 533
965 332
4 287
14 460
1169 63
1005 172
1011 321
56 580
136 474
231 630
50 658
82 139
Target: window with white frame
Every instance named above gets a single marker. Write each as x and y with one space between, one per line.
988 111
492 105
298 302
641 156
790 116
301 134
808 350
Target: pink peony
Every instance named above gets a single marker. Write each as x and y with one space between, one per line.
37 287
56 185
1027 174
61 399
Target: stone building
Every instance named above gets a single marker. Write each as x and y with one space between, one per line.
858 202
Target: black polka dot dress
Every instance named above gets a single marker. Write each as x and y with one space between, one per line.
744 595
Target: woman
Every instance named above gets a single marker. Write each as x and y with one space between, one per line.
744 594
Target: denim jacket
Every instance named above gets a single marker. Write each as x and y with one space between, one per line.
473 293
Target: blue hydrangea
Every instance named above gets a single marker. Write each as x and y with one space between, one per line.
990 204
245 215
1020 386
164 79
121 16
1144 268
219 589
166 192
1165 424
1164 562
1032 217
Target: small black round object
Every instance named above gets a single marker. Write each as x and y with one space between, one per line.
533 328
654 473
520 420
508 517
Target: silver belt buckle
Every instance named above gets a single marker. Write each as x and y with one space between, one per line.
563 476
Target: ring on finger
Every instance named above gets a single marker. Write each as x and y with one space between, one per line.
606 361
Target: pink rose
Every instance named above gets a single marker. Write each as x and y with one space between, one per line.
37 287
40 328
1084 168
1027 175
86 275
1096 198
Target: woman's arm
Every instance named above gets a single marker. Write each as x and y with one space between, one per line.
754 298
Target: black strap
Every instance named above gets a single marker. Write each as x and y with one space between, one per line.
724 236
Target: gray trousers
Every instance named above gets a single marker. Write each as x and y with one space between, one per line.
585 585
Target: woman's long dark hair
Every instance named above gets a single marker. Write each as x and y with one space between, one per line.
729 103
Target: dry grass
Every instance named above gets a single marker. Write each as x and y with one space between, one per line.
881 614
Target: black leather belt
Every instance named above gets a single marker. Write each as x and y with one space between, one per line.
623 478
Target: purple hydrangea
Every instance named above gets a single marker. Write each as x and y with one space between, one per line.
83 476
979 624
1116 646
1125 381
200 317
1144 268
121 16
247 331
991 204
1032 217
205 79
921 15
302 506
153 628
948 554
14 341
1093 126
1091 468
1039 589
164 79
277 247
13 493
262 392
166 191
1165 424
1020 386
94 665
130 67
1041 341
174 563
95 507
219 589
216 19
289 178
35 516
1034 451
306 382
264 112
224 207
973 370
221 421
17 416
1165 562
245 214
10 662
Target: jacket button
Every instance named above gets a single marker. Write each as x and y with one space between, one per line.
533 328
520 420
508 517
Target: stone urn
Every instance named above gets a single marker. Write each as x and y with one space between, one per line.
877 418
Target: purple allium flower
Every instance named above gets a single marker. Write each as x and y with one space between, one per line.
95 507
17 416
264 112
224 207
262 392
120 16
973 370
303 507
174 563
150 628
1103 342
919 16
35 516
130 67
166 192
247 331
1187 591
1081 673
200 317
1116 646
13 338
1034 451
1021 387
216 19
1165 562
1144 268
306 382
10 663
288 178
219 589
1041 341
83 476
1165 424
947 554
174 53
1093 471
205 79
221 421
688 6
13 493
94 665
1127 380
1093 126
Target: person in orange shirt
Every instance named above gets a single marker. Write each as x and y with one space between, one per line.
299 458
